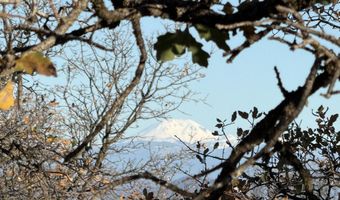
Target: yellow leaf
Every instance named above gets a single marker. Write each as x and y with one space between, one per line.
65 142
35 62
51 139
26 120
6 96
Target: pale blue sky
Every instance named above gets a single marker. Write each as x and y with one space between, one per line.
249 81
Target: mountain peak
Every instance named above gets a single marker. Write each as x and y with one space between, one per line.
187 130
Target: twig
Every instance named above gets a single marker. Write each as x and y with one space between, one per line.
279 83
54 10
305 30
330 91
119 101
235 52
149 176
187 146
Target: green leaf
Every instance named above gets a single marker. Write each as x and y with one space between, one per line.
198 55
172 45
239 132
332 119
166 55
145 192
219 37
244 115
178 49
246 132
165 47
199 158
254 113
215 133
219 125
233 117
228 8
198 145
216 145
206 151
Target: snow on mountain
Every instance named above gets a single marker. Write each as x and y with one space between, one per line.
187 130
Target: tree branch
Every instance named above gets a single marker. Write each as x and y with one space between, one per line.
149 176
279 83
118 102
268 129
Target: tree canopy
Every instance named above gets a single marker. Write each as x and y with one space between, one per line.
122 71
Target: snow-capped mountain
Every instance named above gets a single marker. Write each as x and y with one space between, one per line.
159 148
187 130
